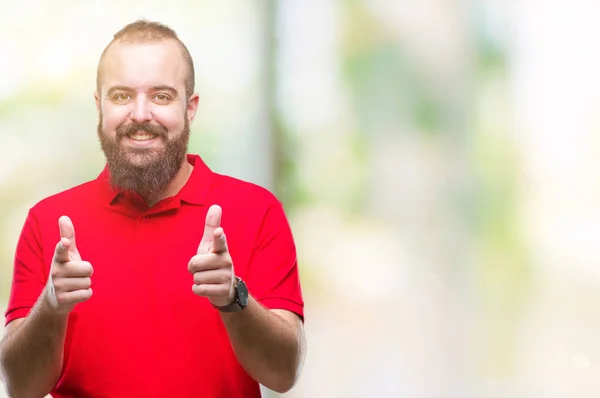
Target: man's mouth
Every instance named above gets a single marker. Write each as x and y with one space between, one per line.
142 136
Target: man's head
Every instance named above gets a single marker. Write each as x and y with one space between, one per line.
145 102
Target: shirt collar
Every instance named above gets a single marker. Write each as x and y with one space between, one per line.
193 192
197 186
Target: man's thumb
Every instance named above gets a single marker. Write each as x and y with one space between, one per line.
65 225
213 221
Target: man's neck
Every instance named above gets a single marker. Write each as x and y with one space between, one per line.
182 176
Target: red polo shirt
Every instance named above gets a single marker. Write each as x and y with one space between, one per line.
144 333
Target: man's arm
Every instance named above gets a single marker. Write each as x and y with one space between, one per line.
269 344
31 352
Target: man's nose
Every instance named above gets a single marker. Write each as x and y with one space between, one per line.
141 112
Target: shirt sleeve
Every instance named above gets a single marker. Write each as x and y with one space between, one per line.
273 278
29 273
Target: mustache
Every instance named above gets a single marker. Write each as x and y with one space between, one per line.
132 128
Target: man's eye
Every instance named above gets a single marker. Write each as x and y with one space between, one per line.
122 97
161 97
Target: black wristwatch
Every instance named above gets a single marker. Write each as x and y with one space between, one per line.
240 298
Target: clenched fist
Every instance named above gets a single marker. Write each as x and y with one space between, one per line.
212 266
70 281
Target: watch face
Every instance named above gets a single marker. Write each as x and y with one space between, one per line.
242 292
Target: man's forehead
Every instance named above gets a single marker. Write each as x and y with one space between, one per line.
139 60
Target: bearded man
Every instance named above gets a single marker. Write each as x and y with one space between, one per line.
180 282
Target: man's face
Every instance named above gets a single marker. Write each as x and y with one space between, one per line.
144 114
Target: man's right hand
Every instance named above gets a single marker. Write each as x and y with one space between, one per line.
70 281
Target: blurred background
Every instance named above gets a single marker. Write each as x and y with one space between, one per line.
439 161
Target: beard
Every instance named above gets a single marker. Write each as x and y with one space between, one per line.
146 171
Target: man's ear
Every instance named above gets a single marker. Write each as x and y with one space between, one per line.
97 98
192 107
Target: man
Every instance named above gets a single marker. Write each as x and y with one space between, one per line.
159 278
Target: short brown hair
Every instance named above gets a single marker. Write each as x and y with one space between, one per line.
148 31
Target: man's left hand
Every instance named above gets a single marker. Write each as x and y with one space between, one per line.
212 266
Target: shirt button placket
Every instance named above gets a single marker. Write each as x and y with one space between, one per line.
144 235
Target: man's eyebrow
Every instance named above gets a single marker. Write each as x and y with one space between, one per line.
163 87
114 89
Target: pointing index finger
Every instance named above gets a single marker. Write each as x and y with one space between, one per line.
219 244
61 253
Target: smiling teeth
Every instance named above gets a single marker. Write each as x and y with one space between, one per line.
141 137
